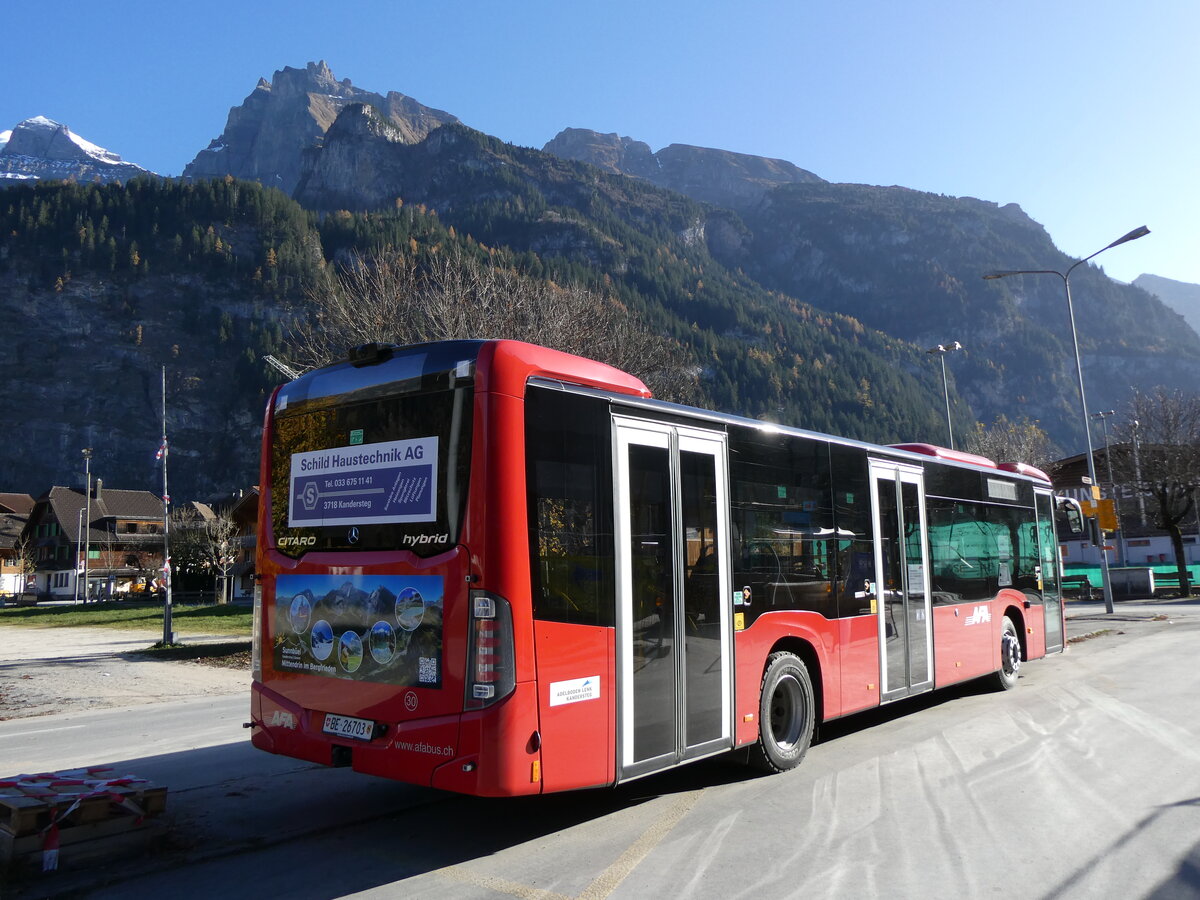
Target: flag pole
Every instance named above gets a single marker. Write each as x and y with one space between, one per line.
168 634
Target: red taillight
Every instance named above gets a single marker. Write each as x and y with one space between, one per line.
490 675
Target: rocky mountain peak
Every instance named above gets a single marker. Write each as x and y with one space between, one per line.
265 138
313 78
619 155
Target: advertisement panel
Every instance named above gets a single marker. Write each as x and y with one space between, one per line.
381 628
392 481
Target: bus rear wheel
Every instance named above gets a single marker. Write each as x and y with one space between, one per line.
785 714
1010 656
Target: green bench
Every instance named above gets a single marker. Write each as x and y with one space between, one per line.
1077 586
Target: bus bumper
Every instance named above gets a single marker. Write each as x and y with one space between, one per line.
491 752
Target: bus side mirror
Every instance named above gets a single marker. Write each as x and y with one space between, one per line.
1072 515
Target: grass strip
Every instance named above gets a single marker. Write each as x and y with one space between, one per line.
185 619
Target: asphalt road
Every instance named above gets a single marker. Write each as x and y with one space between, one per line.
1082 783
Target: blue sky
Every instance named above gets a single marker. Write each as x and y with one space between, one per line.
1084 113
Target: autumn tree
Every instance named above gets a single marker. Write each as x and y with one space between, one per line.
389 298
1161 460
1021 441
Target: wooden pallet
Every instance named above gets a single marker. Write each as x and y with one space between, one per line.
73 808
80 845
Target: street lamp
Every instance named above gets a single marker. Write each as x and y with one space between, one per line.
87 518
78 552
941 350
1112 486
1091 457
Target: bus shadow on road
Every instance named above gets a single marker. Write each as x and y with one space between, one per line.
233 809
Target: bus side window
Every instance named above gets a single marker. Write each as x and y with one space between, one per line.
782 521
570 508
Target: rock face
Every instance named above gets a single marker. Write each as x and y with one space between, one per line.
40 148
265 138
1181 296
353 167
734 180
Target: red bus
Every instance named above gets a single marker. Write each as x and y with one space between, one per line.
498 569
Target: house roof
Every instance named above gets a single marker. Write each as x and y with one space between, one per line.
110 503
14 513
11 526
21 504
245 508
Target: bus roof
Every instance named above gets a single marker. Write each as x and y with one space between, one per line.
502 366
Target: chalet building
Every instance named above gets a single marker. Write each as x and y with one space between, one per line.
244 512
14 513
123 541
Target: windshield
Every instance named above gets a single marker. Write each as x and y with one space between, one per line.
379 463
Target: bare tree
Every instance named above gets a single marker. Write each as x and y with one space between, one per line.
24 560
1007 441
203 543
1166 464
387 298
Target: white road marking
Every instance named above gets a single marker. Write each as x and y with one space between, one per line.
41 731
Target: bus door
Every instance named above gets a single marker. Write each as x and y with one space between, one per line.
901 589
1048 569
674 638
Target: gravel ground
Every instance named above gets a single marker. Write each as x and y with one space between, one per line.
44 671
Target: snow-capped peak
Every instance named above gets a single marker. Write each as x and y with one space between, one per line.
48 134
39 147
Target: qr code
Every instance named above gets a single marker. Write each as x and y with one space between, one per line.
427 669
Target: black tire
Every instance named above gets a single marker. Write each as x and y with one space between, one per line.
786 714
1010 656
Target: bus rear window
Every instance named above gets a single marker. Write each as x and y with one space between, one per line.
386 473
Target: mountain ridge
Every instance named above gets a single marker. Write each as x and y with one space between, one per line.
719 177
800 300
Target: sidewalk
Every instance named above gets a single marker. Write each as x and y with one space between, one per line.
1088 616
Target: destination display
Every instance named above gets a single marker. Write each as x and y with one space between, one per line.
371 484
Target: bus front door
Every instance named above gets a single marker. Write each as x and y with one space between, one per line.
674 665
902 595
1049 570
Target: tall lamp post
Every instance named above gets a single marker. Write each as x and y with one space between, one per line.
1091 457
1112 486
87 517
941 350
78 552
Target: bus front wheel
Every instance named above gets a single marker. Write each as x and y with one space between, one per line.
785 714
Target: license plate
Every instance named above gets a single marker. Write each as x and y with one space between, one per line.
344 726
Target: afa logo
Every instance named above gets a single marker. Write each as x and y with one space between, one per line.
282 719
981 616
